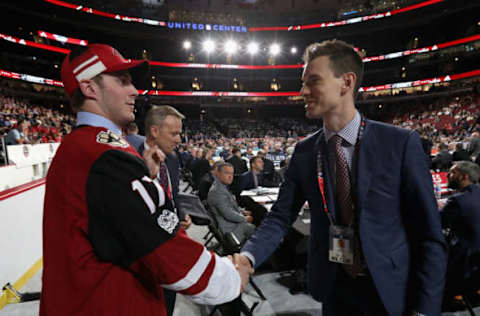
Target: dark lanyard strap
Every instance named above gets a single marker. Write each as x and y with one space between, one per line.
320 170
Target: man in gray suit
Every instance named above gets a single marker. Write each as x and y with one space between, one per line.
231 218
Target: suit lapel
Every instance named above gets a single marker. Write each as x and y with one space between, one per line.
366 163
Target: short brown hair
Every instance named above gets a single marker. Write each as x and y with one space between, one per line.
157 114
342 56
223 165
252 160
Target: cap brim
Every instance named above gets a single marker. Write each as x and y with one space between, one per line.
139 70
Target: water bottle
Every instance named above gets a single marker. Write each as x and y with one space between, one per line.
438 191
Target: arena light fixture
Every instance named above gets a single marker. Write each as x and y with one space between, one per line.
293 50
209 46
230 47
274 49
252 48
187 45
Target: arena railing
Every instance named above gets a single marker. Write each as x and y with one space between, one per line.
387 56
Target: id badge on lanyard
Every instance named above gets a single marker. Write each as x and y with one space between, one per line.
340 248
341 238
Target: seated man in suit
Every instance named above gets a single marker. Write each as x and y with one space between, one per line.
443 160
231 218
253 178
270 176
461 214
460 154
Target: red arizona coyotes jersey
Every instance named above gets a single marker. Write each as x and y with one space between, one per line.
111 238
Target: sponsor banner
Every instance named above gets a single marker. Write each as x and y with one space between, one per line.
62 39
35 79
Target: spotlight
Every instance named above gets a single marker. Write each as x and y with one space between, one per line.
187 45
293 50
209 46
252 48
230 47
274 49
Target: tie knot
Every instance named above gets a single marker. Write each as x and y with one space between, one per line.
336 140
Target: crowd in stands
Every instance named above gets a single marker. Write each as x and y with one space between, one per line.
447 125
27 123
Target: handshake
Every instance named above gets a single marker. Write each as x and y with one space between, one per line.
244 268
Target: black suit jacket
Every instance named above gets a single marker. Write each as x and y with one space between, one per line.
239 165
205 185
461 155
442 161
462 215
199 169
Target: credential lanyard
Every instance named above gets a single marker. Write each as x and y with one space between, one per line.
169 189
321 180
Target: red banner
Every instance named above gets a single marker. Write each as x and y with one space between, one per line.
33 44
397 85
257 67
252 29
106 14
344 22
62 39
441 178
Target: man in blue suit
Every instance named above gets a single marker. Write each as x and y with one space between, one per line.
163 126
376 245
461 214
254 177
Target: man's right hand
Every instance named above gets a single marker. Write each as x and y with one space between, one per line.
244 268
153 157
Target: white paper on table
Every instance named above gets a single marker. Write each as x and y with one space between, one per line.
248 193
262 199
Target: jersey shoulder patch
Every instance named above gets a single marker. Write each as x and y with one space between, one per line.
112 139
168 220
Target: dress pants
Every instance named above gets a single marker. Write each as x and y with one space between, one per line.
354 296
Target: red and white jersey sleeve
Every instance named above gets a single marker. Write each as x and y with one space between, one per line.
112 238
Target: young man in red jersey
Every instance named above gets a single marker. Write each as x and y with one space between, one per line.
112 239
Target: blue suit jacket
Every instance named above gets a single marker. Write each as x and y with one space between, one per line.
247 182
399 223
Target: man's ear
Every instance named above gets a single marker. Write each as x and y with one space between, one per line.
154 131
465 177
349 80
89 89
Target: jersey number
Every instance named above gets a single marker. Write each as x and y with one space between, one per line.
138 186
